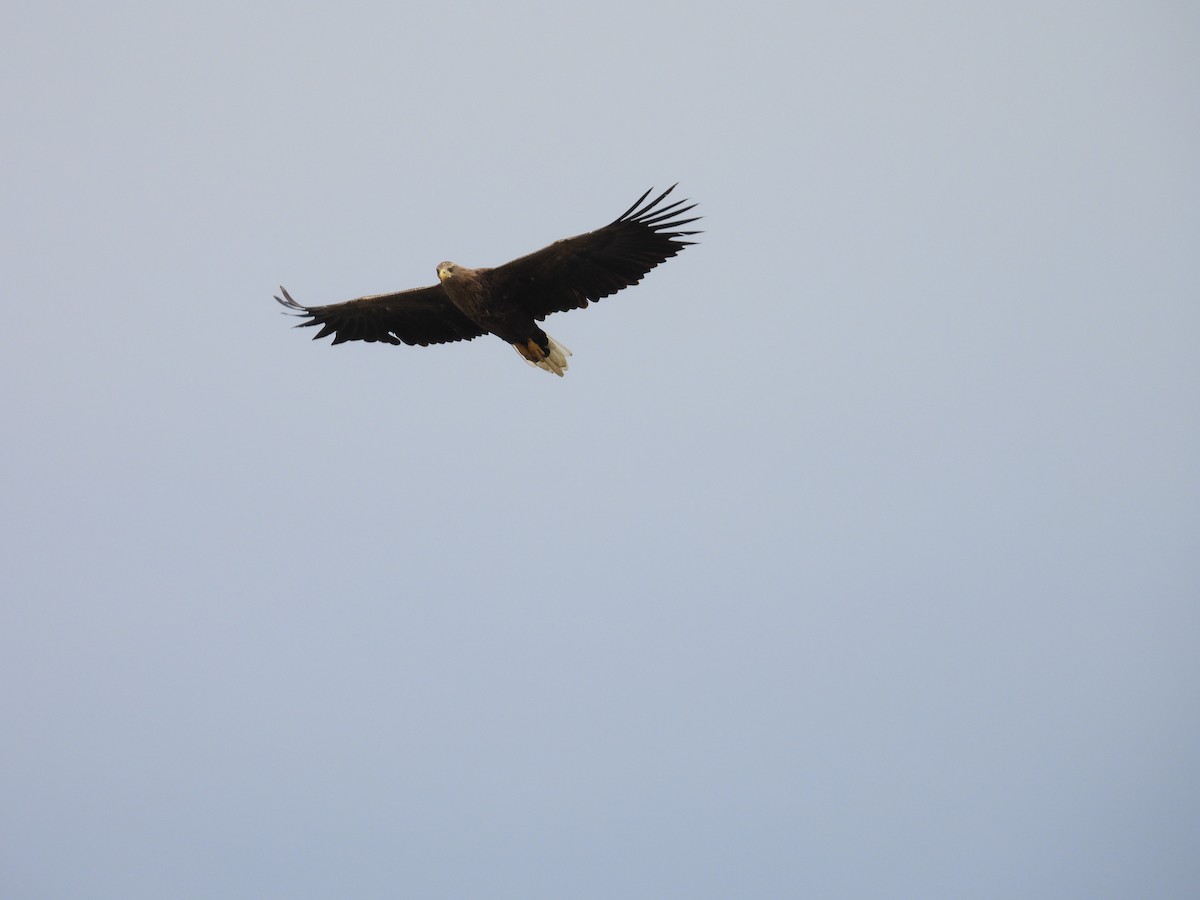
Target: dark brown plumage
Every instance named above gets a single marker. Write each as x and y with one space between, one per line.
509 300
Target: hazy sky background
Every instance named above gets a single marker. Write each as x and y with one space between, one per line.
857 555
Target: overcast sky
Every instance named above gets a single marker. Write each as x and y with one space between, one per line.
857 554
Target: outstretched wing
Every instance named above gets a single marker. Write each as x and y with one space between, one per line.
571 272
419 316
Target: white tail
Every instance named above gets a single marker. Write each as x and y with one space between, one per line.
555 361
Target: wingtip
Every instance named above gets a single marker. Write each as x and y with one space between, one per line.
287 301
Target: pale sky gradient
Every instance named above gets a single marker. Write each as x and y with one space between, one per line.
857 555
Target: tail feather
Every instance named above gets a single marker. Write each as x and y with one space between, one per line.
555 361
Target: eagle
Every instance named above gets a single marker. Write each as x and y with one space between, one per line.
509 300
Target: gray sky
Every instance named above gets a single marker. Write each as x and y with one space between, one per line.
856 555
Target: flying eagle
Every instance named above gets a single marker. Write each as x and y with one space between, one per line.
509 300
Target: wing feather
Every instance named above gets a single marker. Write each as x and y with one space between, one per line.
572 272
420 316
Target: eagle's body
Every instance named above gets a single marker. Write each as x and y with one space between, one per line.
509 300
471 293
